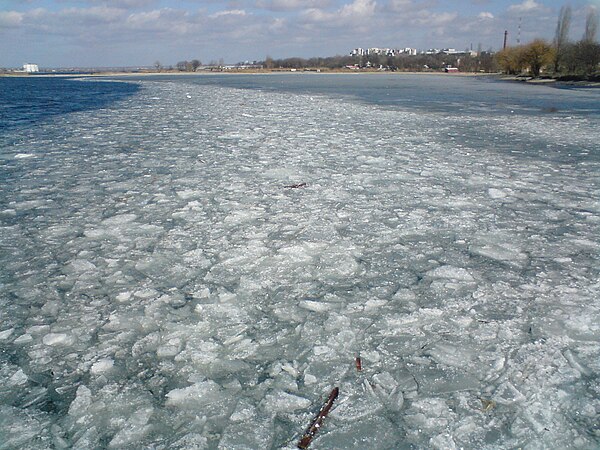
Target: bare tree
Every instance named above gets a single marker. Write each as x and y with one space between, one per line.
591 26
561 37
511 60
269 62
158 66
536 55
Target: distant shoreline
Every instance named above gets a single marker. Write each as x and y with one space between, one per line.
240 72
501 77
549 81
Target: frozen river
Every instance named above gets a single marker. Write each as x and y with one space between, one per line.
195 263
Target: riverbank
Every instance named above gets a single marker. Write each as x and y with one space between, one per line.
244 72
574 81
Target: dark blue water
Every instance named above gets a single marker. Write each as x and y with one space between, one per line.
26 100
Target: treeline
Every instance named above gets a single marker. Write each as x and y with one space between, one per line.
560 58
483 62
188 66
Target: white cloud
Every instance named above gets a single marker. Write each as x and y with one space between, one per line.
278 24
407 6
400 5
228 13
480 26
164 20
10 19
125 3
359 8
291 5
109 35
436 19
526 6
37 14
317 15
93 16
142 19
70 21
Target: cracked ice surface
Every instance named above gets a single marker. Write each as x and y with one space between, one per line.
162 288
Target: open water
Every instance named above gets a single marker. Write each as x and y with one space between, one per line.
196 262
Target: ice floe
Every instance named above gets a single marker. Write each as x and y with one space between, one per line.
165 285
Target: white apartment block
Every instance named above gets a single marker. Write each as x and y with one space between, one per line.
376 51
384 51
30 68
357 52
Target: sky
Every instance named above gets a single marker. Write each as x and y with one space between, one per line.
126 33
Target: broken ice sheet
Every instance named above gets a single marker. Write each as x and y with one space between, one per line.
501 247
377 433
435 379
161 287
23 428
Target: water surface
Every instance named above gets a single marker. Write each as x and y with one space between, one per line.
165 285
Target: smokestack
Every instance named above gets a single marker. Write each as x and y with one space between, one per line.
505 37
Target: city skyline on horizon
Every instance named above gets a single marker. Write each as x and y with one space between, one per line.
116 33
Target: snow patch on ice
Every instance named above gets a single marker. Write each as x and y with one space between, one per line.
451 273
55 339
101 366
194 396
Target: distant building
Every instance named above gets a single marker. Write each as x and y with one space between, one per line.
383 51
376 51
30 68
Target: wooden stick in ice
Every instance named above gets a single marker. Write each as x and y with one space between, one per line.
310 432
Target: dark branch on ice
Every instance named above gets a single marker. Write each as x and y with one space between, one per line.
310 432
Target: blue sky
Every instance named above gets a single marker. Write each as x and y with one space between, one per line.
65 33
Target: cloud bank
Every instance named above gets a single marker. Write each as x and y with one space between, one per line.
139 32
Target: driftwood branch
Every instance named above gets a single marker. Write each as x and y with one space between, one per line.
295 186
310 432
